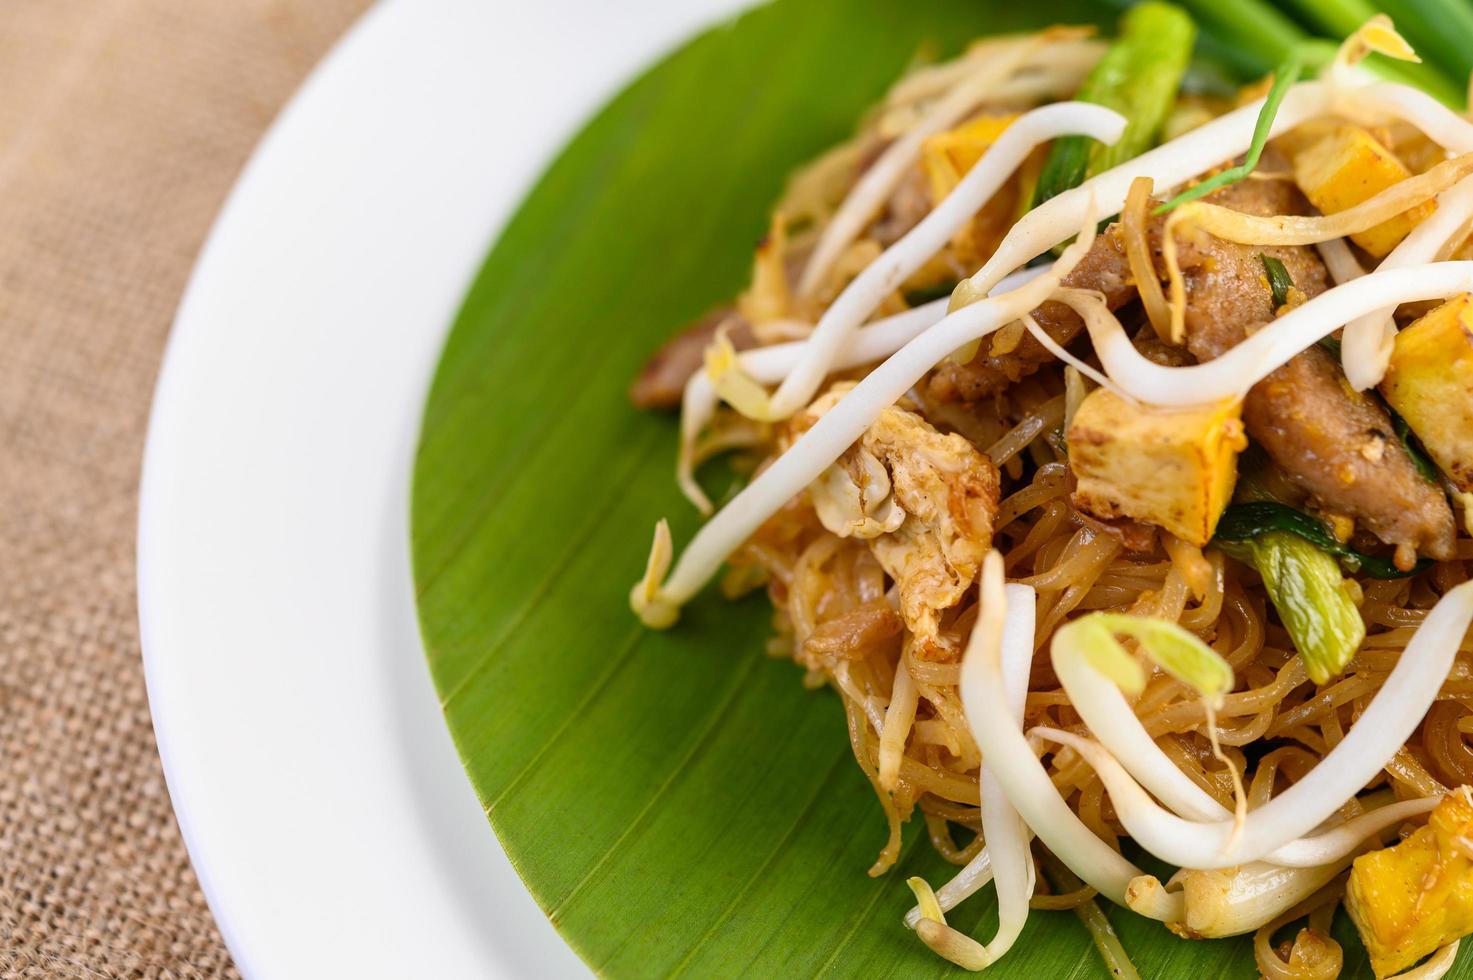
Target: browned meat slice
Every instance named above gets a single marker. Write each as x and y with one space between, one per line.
662 379
1334 442
1104 268
1161 352
1134 536
1339 445
1226 284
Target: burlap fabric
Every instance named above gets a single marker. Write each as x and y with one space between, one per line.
123 124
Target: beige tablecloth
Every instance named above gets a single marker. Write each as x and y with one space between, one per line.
123 124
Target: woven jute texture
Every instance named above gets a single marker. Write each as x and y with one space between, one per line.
122 126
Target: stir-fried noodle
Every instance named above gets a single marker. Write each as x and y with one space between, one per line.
1136 488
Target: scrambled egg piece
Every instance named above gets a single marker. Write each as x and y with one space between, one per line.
1349 166
1411 899
1174 469
925 502
1430 384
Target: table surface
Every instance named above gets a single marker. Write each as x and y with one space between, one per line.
118 144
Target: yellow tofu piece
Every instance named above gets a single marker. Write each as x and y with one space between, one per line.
1430 384
946 157
1348 166
1410 899
1174 469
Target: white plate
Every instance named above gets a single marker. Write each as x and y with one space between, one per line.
325 811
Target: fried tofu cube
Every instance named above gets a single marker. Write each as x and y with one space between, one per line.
1409 900
1174 469
1430 384
1348 166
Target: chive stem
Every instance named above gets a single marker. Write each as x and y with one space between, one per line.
1286 75
1279 280
1338 18
1106 940
1249 26
1138 77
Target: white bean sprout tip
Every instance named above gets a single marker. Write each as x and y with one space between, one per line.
645 599
685 478
1076 365
1378 35
926 900
949 944
967 882
1147 896
737 388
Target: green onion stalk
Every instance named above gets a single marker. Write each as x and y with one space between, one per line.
1138 77
1336 18
1254 35
1312 598
1243 521
1300 563
1257 35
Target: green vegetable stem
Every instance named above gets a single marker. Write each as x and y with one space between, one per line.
1285 76
1279 280
1311 596
1138 77
1246 521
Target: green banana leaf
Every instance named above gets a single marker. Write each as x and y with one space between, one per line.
675 801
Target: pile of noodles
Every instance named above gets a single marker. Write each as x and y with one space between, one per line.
1274 727
906 723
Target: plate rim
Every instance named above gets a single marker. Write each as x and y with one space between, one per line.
171 631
